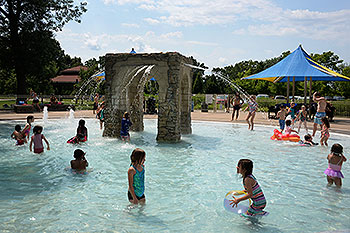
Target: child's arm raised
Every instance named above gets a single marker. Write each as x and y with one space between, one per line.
131 173
47 143
344 159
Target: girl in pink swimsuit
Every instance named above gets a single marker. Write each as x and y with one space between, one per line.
37 140
335 161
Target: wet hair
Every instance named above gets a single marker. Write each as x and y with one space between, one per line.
37 129
78 154
317 94
325 121
126 115
247 167
29 118
307 137
81 123
288 122
137 156
18 128
337 149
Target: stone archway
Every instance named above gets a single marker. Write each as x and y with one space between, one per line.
126 75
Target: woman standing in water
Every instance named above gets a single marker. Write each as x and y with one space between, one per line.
237 103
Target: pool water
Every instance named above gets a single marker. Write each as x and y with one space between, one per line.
185 182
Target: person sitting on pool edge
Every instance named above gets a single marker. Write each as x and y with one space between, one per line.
80 163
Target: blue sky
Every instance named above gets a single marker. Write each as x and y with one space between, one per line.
218 33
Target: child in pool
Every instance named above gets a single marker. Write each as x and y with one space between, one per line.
335 161
82 132
302 116
281 114
325 131
101 115
28 126
289 129
80 163
136 177
37 140
126 123
308 140
252 106
21 139
291 112
254 191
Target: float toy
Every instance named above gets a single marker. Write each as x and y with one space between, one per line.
240 209
277 135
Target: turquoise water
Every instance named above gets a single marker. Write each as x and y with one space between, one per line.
185 182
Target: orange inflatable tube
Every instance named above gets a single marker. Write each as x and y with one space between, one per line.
277 135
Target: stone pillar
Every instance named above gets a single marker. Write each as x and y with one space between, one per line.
186 102
169 116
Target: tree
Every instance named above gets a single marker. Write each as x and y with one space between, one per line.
198 84
22 21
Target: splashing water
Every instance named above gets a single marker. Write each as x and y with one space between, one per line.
45 115
71 114
243 93
88 88
194 67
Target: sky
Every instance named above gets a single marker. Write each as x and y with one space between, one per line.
217 33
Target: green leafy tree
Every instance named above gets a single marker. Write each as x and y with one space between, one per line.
198 84
22 21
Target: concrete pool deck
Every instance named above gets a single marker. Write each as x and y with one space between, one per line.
340 124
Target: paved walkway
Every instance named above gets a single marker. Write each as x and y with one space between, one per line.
341 124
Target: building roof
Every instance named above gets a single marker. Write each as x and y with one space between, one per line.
70 75
66 79
74 70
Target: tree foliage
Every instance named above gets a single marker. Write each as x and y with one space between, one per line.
26 34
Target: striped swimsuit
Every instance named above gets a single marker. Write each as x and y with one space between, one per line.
258 198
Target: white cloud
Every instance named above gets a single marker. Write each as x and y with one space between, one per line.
202 43
222 60
92 42
171 35
107 2
259 17
130 25
151 20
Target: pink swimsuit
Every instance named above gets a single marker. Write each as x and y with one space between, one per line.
333 170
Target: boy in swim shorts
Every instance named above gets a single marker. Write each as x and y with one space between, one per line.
282 117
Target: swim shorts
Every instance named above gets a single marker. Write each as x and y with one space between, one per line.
318 117
282 124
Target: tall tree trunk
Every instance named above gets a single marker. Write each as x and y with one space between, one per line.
17 55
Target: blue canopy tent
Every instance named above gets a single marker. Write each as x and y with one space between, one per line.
99 76
300 67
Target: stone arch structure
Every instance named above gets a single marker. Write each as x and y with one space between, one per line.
126 75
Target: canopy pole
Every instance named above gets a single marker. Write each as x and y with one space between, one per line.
305 89
288 90
293 88
310 91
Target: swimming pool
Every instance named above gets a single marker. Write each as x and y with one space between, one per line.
185 182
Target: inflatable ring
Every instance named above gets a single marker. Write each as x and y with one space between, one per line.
237 193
